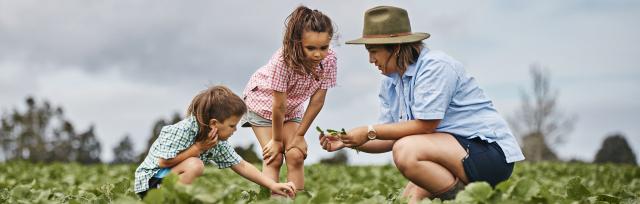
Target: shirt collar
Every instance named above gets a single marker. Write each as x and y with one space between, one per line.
411 70
192 124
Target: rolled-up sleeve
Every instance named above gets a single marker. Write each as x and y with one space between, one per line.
225 156
171 141
434 88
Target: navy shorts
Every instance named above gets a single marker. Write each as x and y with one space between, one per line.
484 161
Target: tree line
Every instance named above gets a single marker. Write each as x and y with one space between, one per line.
42 133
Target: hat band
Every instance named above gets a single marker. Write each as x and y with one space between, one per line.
386 35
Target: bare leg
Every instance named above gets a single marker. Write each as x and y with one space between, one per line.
273 169
414 193
188 170
294 157
431 162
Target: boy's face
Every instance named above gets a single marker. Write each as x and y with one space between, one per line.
227 127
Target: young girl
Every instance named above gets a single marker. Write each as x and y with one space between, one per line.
183 148
303 69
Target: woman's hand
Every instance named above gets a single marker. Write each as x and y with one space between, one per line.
284 189
355 137
209 142
329 143
271 151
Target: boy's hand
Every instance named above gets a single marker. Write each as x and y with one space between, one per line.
330 143
271 151
209 142
355 137
284 189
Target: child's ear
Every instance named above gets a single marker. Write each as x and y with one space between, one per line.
213 122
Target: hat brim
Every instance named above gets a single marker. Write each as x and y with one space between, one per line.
414 37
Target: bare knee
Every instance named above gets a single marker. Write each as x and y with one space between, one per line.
193 166
403 154
294 157
276 163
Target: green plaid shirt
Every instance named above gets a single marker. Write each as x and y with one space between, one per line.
172 140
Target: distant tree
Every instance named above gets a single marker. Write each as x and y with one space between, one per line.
155 131
248 154
64 144
124 153
23 134
42 134
536 149
89 150
615 149
340 157
539 122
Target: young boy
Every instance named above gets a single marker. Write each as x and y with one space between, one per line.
183 148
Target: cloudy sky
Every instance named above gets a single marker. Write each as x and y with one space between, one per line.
121 65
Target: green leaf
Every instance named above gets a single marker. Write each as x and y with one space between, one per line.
505 185
330 131
575 189
154 196
608 198
264 193
474 193
319 130
525 189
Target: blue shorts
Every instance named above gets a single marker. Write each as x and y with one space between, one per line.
252 119
484 161
155 181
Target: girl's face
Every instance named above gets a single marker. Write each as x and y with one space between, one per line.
315 46
227 127
381 57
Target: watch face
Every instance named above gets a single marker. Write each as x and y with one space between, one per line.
371 135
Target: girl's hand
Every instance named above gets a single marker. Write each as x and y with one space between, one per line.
355 137
271 151
330 144
284 189
209 142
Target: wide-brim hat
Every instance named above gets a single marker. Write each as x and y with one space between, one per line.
387 25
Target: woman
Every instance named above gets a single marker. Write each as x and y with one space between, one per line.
443 131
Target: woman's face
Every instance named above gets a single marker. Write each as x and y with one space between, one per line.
381 57
315 45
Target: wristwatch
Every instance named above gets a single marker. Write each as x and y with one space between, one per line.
371 133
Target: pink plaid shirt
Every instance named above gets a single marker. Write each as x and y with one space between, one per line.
275 76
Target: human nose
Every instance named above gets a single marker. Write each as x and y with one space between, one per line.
372 59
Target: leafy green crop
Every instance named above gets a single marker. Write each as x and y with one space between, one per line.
333 134
22 182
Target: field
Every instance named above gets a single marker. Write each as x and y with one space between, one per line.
22 182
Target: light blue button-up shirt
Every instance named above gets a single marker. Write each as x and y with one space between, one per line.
437 87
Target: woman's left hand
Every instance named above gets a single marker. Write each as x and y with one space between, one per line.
355 137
